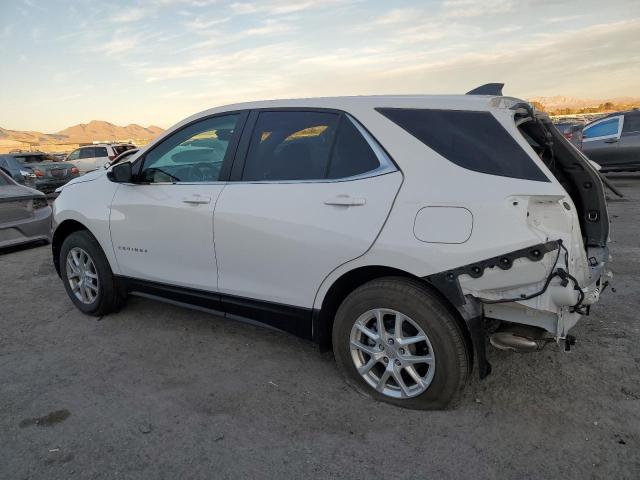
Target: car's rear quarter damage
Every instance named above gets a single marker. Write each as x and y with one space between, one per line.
528 250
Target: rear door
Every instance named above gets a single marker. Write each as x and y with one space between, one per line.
600 140
310 190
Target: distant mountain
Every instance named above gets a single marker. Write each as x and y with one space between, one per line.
559 101
100 130
95 130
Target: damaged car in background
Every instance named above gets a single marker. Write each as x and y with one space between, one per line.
402 232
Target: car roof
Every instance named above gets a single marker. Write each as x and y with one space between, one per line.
371 101
634 112
354 104
27 154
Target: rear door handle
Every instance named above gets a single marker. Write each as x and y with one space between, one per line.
345 201
611 140
197 199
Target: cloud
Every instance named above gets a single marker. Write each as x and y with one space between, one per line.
129 15
122 42
283 7
476 8
6 31
203 23
269 27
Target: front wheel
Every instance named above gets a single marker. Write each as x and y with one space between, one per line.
394 340
87 276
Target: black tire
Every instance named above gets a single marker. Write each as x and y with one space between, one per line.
109 298
420 304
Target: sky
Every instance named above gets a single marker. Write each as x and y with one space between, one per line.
155 62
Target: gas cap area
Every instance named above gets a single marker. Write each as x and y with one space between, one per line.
441 224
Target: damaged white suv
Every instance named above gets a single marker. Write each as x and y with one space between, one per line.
392 229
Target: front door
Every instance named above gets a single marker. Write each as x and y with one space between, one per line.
600 140
162 225
314 192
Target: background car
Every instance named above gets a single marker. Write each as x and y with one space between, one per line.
122 156
614 141
38 170
572 131
25 215
96 156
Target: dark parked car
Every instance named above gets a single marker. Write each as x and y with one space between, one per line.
614 141
25 215
38 170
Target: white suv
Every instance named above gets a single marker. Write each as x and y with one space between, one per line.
394 229
92 157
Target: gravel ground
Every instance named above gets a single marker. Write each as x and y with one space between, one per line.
158 391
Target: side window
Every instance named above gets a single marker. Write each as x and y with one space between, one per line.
74 155
470 139
193 154
101 152
602 129
294 145
631 123
352 154
87 152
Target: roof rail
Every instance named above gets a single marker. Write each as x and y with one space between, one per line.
487 89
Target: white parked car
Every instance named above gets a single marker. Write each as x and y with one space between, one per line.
393 229
92 157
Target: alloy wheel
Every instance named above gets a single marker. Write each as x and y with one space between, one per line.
82 275
392 353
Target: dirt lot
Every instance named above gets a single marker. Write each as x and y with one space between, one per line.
158 391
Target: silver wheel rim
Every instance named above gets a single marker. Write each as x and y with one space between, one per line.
82 275
392 353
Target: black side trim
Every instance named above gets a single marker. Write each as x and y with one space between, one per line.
200 298
447 282
288 318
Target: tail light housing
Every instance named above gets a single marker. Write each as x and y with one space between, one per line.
38 173
74 171
111 157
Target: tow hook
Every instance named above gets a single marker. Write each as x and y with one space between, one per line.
569 341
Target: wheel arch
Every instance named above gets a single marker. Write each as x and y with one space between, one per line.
323 316
61 232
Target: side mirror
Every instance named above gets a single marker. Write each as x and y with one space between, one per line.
121 173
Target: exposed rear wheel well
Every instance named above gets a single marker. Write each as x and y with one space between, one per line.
347 283
65 229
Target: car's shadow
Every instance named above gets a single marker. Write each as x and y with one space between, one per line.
22 246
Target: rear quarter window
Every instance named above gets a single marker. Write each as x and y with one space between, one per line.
101 152
472 140
631 123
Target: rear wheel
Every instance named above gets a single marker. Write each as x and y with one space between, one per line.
395 341
87 276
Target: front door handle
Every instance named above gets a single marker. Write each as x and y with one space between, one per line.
197 199
345 201
611 140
